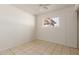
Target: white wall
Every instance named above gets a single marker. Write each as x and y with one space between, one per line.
16 26
78 27
65 34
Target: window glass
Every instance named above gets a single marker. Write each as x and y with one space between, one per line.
54 21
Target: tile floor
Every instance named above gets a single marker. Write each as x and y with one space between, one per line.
40 47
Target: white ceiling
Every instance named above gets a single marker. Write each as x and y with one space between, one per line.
37 9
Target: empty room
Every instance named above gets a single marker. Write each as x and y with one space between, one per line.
39 29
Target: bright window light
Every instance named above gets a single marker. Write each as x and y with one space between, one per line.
54 21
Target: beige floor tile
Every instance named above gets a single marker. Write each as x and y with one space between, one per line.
6 52
65 51
40 47
74 51
57 50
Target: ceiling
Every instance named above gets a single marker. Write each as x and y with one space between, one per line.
41 8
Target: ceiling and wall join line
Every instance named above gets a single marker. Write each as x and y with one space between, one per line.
66 33
68 23
16 27
37 9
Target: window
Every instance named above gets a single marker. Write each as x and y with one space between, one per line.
54 21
